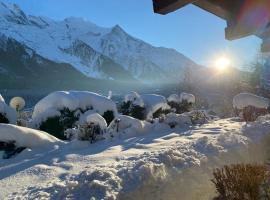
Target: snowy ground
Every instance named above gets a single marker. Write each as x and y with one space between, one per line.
157 165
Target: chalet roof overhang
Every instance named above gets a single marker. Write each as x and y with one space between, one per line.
244 17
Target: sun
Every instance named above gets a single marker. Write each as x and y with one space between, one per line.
222 63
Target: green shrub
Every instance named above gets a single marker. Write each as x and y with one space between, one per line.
160 112
127 108
91 132
182 107
3 119
242 182
58 124
9 149
108 116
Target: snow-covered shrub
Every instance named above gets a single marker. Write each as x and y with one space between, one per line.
9 149
13 139
108 116
136 111
24 118
17 103
160 112
133 106
56 125
127 126
60 110
243 100
189 98
250 105
198 116
135 98
182 103
7 114
177 120
92 128
147 106
156 105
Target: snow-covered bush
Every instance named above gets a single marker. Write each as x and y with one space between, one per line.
24 118
9 149
177 120
127 126
61 110
17 103
156 105
198 116
14 139
147 106
182 103
189 98
56 125
7 114
133 106
91 127
243 100
250 105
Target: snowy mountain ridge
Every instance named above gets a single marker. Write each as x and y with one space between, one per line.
89 48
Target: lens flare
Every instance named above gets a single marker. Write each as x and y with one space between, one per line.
222 63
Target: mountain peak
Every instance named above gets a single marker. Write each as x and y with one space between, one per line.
101 48
118 29
12 12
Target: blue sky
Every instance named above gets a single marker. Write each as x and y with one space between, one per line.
192 31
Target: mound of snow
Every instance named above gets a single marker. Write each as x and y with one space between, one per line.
178 163
54 102
83 100
26 137
99 103
243 100
127 126
7 111
153 103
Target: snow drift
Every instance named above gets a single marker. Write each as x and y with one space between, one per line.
163 165
26 137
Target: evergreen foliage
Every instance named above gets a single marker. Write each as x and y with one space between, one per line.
127 108
182 107
108 116
58 124
3 119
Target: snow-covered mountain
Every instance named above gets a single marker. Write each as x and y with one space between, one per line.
97 52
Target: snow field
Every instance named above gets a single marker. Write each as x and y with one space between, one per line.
159 164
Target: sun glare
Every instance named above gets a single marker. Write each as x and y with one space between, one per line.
222 63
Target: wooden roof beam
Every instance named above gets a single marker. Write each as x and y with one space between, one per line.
212 8
166 6
233 32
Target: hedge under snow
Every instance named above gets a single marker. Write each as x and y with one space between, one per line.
72 100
